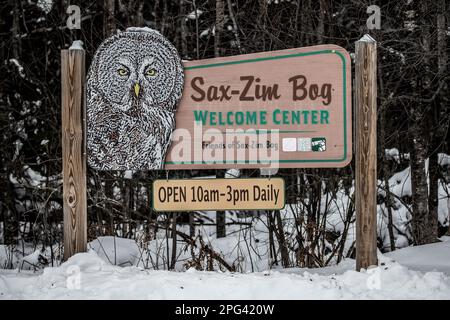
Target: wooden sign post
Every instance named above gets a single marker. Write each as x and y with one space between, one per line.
366 152
73 150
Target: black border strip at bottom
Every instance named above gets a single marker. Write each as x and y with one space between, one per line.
223 309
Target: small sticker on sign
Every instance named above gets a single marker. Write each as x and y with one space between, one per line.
319 144
304 144
289 144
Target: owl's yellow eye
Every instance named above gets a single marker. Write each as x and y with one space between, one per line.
122 71
151 72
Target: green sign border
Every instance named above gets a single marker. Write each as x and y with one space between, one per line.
303 54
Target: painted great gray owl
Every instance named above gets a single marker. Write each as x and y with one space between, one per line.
134 84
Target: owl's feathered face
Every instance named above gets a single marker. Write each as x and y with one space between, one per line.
137 67
134 84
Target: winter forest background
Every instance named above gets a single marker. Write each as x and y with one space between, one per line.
316 228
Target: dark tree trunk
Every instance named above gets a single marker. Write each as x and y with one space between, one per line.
11 223
433 200
139 17
220 20
420 222
174 240
16 39
219 23
183 30
422 225
282 240
385 165
109 24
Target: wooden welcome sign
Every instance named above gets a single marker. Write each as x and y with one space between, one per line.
288 108
279 109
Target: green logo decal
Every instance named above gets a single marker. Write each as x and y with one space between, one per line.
319 144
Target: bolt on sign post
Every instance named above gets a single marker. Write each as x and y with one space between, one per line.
366 151
73 150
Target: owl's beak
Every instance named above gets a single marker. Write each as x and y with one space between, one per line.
136 89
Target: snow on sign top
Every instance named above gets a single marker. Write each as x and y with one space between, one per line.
76 45
142 29
367 38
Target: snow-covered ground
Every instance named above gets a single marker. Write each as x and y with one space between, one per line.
118 268
430 257
411 273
